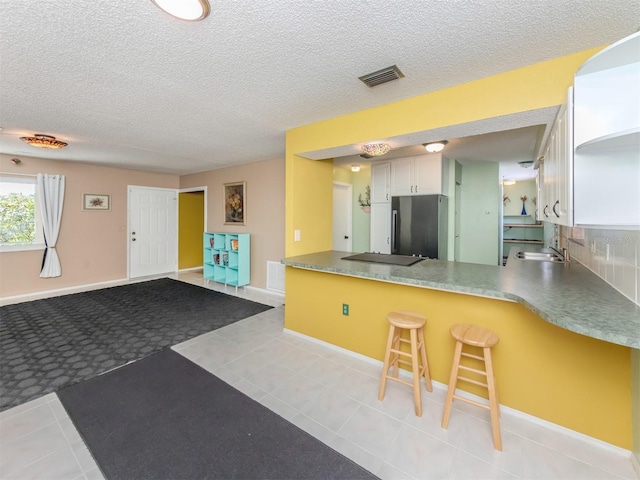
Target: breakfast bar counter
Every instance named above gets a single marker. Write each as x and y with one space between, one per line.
567 345
565 294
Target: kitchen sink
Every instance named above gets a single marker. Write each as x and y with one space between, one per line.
540 256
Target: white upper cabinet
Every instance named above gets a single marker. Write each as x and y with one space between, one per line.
421 175
607 137
380 181
556 204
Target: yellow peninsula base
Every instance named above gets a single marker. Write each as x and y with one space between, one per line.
542 370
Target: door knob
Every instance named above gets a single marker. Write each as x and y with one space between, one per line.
346 237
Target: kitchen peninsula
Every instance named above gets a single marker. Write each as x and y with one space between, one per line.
565 335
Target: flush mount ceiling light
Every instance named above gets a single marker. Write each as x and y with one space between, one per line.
376 149
355 168
43 141
525 163
435 147
191 10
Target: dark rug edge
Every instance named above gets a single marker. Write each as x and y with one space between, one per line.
154 351
267 409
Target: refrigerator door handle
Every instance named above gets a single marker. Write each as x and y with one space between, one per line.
394 223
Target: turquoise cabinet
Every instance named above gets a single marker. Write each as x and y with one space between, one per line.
227 258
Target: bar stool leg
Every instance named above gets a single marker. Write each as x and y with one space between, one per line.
425 364
416 371
453 379
387 357
397 335
493 400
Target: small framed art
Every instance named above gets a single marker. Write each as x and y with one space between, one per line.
96 201
235 203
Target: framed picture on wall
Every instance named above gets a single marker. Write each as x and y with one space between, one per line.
96 201
235 203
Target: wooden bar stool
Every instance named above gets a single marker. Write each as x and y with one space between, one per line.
414 322
475 336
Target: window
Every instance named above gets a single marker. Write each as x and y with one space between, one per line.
20 227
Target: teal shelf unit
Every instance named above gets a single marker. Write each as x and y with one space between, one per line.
227 258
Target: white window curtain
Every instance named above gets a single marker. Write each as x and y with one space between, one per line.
51 196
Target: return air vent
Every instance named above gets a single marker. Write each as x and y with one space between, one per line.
382 76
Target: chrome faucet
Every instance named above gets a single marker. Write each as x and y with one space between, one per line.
566 256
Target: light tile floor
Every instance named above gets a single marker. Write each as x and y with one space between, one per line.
332 395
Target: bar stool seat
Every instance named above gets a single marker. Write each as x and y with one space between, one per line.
400 321
475 336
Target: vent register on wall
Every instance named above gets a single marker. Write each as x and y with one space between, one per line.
227 258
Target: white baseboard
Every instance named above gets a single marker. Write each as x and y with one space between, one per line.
511 411
192 269
635 461
265 291
25 297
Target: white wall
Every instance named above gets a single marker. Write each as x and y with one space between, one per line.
480 212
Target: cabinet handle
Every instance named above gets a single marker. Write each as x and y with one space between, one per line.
554 208
544 211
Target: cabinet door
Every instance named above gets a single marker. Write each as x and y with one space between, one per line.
550 176
540 201
381 227
564 166
380 174
428 175
402 177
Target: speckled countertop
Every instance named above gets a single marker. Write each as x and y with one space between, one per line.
567 295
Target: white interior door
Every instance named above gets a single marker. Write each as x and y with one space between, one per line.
153 231
342 211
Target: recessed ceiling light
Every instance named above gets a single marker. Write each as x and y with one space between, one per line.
185 9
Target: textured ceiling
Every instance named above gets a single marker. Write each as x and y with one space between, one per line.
130 86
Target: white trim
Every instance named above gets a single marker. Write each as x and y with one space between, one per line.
265 291
635 464
192 269
20 247
25 297
19 174
196 189
511 411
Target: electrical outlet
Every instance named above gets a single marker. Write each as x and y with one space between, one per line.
345 309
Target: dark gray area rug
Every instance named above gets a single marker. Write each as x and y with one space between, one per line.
47 344
164 417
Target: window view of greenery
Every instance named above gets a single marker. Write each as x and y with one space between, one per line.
17 213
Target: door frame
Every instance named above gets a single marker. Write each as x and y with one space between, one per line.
206 203
128 236
349 210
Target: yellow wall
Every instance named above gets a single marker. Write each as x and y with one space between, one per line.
565 378
190 229
308 182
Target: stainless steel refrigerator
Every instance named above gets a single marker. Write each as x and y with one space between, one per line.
419 226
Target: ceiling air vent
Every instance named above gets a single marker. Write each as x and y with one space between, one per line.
382 76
